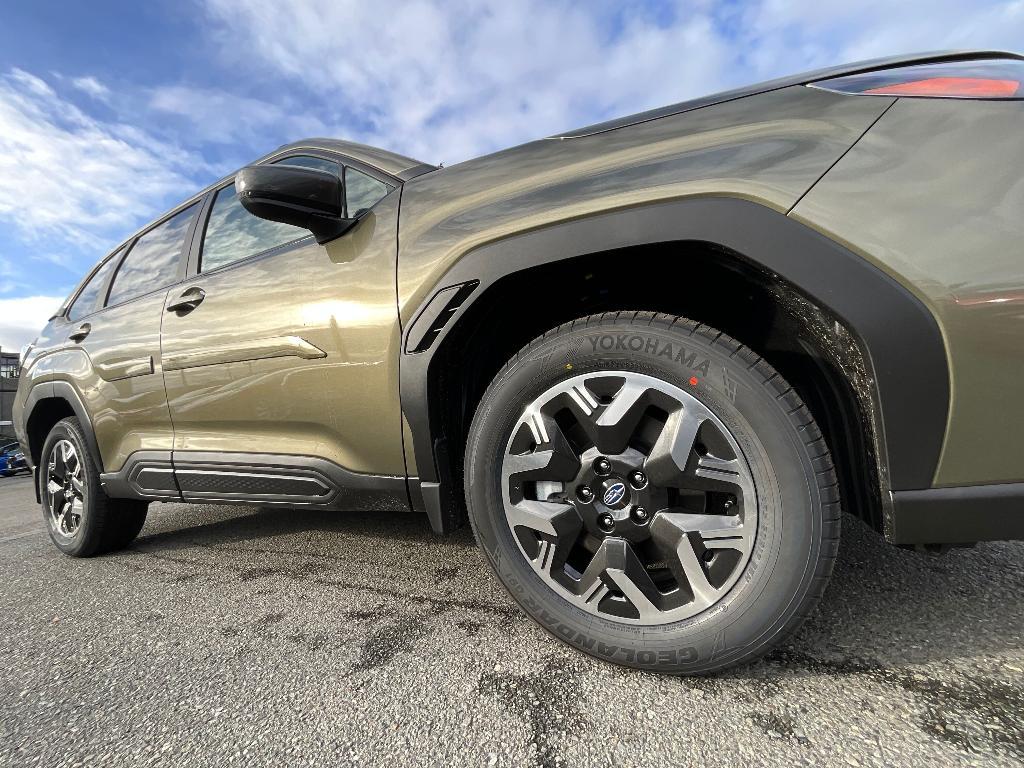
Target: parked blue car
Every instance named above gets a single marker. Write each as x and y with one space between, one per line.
12 460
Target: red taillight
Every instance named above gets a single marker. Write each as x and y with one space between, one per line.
986 78
960 87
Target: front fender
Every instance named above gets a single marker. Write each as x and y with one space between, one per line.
901 338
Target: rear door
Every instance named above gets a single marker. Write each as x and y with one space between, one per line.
115 322
281 353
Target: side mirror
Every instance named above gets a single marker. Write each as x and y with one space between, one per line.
302 197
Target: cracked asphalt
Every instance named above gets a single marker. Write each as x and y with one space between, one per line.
236 636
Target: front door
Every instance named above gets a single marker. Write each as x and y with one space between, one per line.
280 358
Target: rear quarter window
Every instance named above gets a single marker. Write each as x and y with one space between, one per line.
89 298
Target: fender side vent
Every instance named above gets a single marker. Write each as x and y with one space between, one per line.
433 318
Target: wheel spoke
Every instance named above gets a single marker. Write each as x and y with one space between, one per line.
708 526
552 458
675 532
611 427
623 405
73 463
542 516
715 473
63 524
560 526
630 576
668 458
703 591
598 591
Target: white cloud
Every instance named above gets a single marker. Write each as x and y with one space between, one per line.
220 117
91 86
71 178
826 32
21 319
449 79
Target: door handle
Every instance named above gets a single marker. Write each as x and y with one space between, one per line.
188 301
81 333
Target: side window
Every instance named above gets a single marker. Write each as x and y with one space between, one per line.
316 163
362 192
232 233
154 260
87 299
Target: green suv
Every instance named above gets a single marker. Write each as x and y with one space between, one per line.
649 361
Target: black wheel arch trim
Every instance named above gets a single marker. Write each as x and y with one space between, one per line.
61 390
898 334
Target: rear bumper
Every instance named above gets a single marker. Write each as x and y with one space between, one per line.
958 515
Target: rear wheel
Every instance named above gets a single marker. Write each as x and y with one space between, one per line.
653 493
81 519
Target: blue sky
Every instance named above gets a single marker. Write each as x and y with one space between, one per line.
112 112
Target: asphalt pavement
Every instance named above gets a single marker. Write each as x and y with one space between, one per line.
237 636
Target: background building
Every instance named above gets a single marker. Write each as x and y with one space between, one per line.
8 386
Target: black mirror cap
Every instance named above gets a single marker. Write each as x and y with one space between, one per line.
302 197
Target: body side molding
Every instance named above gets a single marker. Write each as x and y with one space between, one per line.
242 351
116 370
898 334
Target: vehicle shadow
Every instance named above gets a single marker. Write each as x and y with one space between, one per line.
238 524
893 607
884 605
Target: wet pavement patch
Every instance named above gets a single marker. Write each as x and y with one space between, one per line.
387 640
971 713
546 700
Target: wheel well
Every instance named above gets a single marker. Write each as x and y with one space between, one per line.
45 414
816 353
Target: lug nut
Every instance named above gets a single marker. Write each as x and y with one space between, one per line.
729 504
602 466
606 521
640 515
638 479
584 494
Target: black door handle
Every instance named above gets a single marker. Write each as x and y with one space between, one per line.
81 333
188 301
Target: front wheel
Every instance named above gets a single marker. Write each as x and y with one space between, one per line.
81 519
653 493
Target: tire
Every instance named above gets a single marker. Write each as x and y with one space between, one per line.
92 523
719 579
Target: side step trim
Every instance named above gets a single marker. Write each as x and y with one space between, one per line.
958 515
253 478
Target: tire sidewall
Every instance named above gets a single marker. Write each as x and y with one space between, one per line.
781 565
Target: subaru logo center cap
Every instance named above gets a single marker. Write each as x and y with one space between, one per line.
614 493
